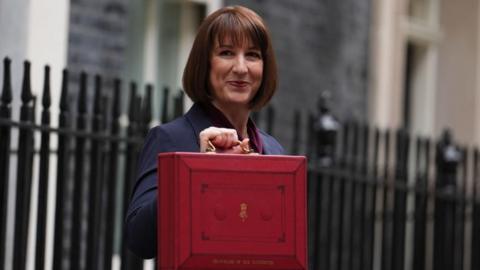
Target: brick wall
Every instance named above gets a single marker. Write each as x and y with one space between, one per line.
97 42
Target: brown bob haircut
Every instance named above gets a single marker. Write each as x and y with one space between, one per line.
239 24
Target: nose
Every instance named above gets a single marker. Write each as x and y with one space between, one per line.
240 65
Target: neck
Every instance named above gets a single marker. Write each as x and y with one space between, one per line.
238 116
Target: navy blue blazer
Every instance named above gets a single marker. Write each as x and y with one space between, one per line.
180 135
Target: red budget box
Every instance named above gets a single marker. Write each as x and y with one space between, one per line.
231 212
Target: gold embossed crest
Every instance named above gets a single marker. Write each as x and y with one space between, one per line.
243 212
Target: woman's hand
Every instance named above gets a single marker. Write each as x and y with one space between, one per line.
223 140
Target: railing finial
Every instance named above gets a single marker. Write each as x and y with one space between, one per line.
6 97
26 86
64 95
46 100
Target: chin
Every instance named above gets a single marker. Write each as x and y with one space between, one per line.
238 99
236 102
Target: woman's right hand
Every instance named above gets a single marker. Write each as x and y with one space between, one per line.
224 140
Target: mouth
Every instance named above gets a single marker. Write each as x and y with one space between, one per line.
238 83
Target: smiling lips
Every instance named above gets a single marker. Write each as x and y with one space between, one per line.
238 83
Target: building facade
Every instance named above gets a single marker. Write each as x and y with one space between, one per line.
424 67
412 64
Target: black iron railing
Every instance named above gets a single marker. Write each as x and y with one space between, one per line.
378 199
95 161
387 200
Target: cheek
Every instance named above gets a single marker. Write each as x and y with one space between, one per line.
257 72
214 72
218 69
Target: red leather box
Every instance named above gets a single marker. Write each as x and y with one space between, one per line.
231 212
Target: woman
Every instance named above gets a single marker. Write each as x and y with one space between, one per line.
231 71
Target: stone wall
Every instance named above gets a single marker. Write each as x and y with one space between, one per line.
319 45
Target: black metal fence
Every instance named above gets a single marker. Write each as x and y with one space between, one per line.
95 158
377 199
389 200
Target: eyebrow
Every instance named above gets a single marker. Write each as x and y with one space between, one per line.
232 46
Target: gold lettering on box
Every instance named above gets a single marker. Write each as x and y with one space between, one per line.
223 261
262 262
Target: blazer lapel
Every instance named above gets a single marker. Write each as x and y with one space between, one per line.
197 118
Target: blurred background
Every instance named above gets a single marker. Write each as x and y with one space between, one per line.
403 63
409 65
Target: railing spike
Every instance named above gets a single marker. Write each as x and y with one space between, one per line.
165 101
104 112
46 101
82 96
147 109
34 108
61 179
7 85
178 104
133 95
64 95
116 98
97 108
26 86
138 112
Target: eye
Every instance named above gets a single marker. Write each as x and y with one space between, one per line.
225 53
254 55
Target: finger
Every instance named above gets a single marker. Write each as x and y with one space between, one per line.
239 148
245 146
234 150
219 137
218 140
226 139
231 138
245 142
221 140
205 136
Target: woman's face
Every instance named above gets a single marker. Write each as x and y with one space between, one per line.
235 73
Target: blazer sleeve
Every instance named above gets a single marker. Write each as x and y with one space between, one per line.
141 222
